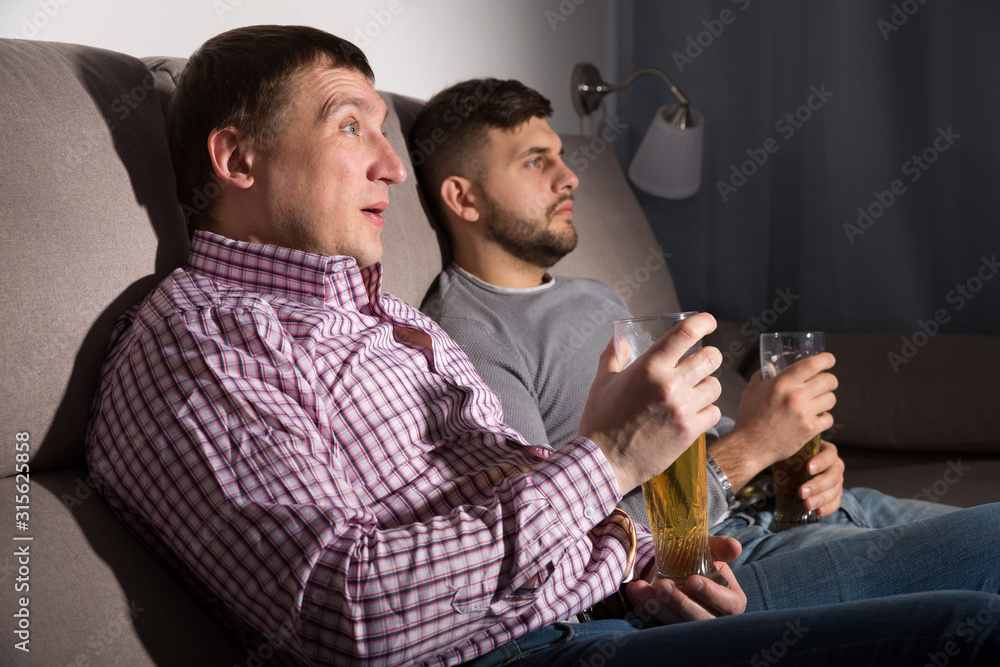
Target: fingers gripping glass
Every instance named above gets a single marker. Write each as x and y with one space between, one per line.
677 498
778 351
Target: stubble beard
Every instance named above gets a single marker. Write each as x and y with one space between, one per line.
523 238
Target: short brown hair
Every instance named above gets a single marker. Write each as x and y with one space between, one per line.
242 78
449 133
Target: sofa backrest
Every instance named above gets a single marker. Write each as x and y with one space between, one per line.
91 223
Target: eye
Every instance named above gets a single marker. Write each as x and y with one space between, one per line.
351 128
537 162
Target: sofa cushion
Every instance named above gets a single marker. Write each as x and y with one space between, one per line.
95 595
90 225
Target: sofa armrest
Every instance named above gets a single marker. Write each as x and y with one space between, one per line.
906 392
917 392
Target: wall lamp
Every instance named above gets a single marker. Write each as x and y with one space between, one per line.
668 162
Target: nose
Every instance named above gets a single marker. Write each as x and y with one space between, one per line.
566 180
387 166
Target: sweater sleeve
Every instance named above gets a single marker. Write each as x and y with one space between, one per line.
501 366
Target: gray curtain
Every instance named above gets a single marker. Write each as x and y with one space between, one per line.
815 110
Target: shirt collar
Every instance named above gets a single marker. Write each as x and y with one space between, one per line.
334 280
547 284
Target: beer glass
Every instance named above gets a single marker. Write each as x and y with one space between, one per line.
677 498
777 352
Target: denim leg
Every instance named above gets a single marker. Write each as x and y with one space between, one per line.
878 510
953 551
956 628
860 510
552 636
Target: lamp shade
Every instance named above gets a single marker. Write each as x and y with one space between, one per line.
668 162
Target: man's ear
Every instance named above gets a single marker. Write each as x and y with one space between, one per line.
231 158
461 197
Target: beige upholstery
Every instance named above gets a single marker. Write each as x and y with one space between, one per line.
90 222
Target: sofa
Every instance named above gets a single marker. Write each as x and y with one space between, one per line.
90 222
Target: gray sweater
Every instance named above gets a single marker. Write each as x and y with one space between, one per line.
538 349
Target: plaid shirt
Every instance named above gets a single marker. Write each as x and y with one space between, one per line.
329 467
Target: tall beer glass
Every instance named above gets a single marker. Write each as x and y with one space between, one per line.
677 498
778 351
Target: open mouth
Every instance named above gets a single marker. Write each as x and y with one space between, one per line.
375 211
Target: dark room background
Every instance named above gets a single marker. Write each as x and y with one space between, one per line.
851 158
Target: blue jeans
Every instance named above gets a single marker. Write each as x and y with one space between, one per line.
950 628
860 511
954 551
836 589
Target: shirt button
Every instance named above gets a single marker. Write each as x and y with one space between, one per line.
590 512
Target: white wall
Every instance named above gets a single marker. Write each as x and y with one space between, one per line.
416 47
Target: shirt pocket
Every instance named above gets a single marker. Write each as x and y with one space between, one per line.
479 599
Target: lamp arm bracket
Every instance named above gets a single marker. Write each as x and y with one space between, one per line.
587 89
681 97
